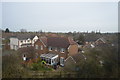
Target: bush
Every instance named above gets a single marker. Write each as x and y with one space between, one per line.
40 66
11 67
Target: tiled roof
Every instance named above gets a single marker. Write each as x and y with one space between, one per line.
24 36
58 42
102 39
71 41
44 40
61 42
92 37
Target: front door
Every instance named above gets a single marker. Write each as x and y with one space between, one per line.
62 61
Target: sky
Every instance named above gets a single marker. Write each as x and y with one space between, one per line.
60 16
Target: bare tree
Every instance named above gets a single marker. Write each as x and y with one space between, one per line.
23 30
40 31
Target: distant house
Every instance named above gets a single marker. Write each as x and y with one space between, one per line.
100 41
61 47
91 43
20 41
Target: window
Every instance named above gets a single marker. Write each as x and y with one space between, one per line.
62 61
24 57
36 46
50 48
28 40
34 40
49 61
21 41
55 49
41 47
62 50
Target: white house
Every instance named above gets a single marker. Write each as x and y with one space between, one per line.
20 41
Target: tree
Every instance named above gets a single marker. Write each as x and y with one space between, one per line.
12 68
7 30
40 31
23 30
80 39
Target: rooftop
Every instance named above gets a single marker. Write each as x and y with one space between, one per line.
23 36
61 42
49 55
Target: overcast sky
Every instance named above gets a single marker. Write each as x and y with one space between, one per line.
60 16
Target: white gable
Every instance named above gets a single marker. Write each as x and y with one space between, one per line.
36 37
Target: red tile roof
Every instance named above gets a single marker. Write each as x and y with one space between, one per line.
71 41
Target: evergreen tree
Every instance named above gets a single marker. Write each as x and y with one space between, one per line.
7 30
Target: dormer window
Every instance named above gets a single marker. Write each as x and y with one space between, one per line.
28 41
62 50
50 48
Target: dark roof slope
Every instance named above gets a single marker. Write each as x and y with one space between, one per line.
24 36
71 41
44 40
61 42
92 37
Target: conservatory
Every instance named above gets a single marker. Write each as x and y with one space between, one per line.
50 58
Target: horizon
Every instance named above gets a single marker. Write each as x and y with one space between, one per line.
60 16
58 31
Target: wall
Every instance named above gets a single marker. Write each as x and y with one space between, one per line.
34 40
28 41
65 54
14 43
39 51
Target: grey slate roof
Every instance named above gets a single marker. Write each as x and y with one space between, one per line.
58 42
24 36
92 37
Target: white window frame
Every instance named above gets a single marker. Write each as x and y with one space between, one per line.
41 47
50 48
21 41
62 50
28 40
55 49
36 46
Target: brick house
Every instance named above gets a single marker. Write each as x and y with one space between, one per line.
61 46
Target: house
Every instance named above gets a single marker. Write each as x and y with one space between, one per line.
100 41
91 43
20 41
60 46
